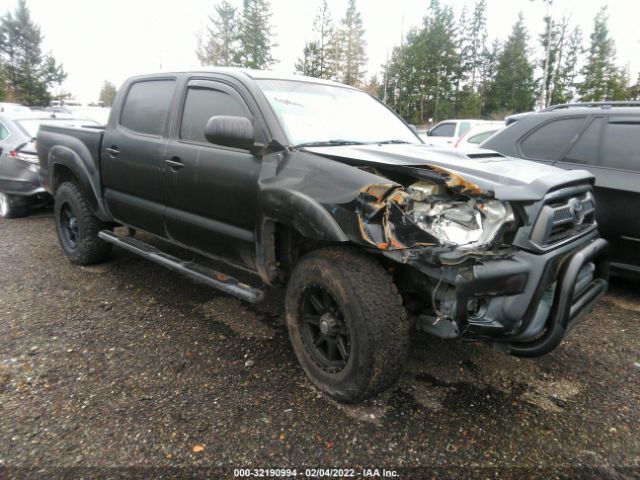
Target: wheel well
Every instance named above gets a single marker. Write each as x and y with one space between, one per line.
288 246
62 174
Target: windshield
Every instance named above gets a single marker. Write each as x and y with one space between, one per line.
313 113
30 126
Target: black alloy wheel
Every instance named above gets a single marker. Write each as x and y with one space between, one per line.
69 225
325 331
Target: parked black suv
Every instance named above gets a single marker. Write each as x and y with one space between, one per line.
603 138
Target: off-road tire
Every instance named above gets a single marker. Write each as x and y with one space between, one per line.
10 206
371 305
88 248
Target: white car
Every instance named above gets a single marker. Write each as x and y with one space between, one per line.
13 108
447 132
474 137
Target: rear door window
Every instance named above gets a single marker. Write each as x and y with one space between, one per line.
464 128
480 137
585 150
621 144
444 130
146 108
4 132
551 140
203 103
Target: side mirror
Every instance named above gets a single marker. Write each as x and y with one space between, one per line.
429 132
413 128
236 132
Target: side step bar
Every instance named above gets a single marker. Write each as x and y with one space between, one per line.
196 272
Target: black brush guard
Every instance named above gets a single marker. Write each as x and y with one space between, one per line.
581 282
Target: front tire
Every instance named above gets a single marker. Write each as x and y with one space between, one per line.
10 207
77 227
346 323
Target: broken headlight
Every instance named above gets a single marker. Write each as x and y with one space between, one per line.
469 223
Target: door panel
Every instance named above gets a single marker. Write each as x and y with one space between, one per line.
131 156
211 192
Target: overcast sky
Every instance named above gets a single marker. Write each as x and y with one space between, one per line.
98 40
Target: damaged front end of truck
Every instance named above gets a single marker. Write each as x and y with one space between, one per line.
475 266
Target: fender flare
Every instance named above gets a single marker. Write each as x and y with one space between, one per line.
84 171
298 211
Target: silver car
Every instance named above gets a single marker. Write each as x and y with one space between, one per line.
19 179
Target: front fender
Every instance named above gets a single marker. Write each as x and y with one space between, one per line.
301 212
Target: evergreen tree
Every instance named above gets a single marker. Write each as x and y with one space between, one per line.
255 35
472 40
435 55
323 26
28 73
350 46
478 41
513 88
634 91
220 47
107 93
487 73
601 76
310 64
547 45
318 53
421 74
562 88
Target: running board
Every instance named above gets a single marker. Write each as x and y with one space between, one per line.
196 272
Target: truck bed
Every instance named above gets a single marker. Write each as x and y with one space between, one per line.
81 142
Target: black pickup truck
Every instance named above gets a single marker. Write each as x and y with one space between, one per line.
319 187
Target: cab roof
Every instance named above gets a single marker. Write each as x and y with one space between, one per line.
250 73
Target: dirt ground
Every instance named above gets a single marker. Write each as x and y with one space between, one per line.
126 369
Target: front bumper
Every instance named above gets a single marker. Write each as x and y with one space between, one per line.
528 300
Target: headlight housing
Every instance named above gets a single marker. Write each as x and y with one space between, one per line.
469 223
429 214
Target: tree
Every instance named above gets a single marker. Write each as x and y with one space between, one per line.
634 91
421 73
255 35
601 76
221 46
562 88
107 93
472 45
317 54
478 41
487 73
323 26
28 73
310 64
513 88
351 47
547 44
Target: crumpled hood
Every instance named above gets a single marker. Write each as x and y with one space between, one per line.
506 177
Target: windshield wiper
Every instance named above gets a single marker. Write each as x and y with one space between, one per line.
386 142
329 143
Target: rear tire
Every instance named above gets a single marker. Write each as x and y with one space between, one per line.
10 206
77 227
343 297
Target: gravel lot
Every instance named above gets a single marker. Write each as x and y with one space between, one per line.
126 364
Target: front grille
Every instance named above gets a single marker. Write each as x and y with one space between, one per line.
564 217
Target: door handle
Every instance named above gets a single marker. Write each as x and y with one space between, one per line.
175 163
113 151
